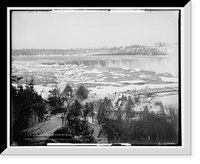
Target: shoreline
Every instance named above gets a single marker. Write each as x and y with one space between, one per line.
101 92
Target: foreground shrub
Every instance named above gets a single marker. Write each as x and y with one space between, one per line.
125 124
76 127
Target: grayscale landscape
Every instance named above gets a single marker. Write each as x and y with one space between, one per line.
93 92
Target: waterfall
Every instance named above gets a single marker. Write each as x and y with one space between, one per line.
157 64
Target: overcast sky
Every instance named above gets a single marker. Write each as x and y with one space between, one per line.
92 29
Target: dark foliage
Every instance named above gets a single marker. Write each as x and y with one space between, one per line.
124 124
26 105
82 92
88 110
76 125
55 101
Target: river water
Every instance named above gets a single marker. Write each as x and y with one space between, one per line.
160 64
99 72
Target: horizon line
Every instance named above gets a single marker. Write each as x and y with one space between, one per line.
168 44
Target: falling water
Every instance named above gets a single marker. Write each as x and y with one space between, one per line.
157 64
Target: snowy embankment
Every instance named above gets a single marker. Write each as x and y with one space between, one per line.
101 91
108 90
169 79
41 90
44 130
47 127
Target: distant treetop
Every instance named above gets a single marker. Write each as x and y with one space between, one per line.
130 50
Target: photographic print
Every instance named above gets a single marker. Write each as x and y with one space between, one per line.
95 77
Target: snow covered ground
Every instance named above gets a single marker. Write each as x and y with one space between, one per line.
49 72
100 91
169 79
108 90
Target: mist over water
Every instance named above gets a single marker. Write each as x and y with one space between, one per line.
167 64
156 64
159 63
